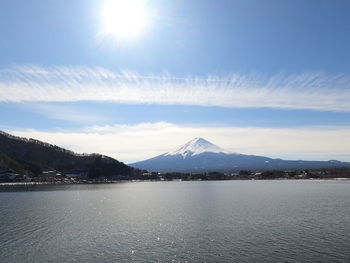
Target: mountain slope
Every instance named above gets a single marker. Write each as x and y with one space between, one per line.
199 155
29 156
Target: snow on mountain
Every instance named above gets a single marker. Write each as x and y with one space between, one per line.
196 146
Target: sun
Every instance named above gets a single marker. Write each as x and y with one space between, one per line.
124 19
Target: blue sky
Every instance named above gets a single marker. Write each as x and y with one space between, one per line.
260 77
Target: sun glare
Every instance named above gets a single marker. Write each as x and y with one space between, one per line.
124 18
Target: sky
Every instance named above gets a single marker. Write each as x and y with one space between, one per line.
134 79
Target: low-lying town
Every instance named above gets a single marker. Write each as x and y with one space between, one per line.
56 177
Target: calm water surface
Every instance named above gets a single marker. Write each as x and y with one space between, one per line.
223 221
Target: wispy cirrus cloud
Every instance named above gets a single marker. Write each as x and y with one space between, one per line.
313 91
131 143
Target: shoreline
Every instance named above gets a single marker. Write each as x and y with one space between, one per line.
134 181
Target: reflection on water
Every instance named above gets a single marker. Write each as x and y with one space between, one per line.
224 221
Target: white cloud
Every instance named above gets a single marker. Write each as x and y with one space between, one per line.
130 143
314 91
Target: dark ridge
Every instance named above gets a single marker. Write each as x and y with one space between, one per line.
31 157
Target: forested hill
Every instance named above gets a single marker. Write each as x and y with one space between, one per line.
32 157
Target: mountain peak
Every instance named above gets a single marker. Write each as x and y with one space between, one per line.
199 140
196 146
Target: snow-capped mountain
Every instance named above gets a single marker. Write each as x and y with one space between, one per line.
200 155
195 147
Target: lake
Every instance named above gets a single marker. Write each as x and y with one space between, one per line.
207 221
